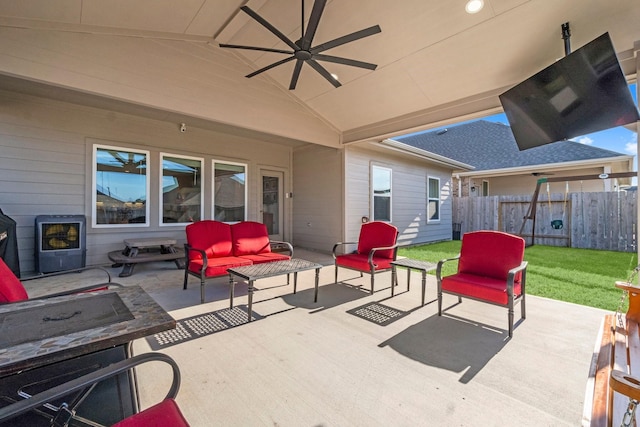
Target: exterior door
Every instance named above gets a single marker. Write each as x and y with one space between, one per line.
272 203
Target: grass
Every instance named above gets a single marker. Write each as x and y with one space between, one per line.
580 276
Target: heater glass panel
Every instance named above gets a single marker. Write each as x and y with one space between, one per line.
60 236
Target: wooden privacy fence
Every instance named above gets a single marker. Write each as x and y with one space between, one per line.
605 221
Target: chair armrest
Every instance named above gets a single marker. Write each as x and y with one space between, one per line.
75 270
287 244
441 263
341 244
384 248
187 249
512 275
24 406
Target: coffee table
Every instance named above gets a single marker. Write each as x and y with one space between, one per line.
254 272
411 264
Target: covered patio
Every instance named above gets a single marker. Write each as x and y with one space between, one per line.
355 359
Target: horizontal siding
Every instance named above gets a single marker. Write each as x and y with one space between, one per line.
409 193
317 176
45 165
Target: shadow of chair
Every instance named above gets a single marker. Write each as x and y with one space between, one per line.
13 290
491 269
74 392
376 249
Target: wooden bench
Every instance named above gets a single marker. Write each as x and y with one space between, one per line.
146 250
614 375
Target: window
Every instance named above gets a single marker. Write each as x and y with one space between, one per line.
120 187
381 184
229 191
180 189
433 199
485 188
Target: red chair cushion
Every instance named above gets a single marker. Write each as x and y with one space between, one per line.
377 234
164 414
267 257
11 289
217 266
361 262
213 237
491 254
483 288
250 238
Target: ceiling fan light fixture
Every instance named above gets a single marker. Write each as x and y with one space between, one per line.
474 6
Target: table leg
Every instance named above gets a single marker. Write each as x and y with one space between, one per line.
250 292
408 278
295 281
315 298
232 285
127 269
424 284
393 279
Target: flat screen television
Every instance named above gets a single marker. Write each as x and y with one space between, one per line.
583 92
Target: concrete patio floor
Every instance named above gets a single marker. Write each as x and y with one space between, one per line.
322 364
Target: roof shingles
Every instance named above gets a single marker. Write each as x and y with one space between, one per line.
489 145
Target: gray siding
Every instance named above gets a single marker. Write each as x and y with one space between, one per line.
317 176
46 155
409 195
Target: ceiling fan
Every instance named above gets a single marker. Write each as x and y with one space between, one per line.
303 50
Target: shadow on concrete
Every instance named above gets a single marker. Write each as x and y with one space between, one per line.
450 342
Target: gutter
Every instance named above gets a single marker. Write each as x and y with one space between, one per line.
426 155
544 167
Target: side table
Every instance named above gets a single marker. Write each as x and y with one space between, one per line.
411 264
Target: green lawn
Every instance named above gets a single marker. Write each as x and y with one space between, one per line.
580 276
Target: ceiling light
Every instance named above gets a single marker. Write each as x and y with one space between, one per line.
474 6
335 76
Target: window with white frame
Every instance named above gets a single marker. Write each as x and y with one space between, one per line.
433 199
229 191
485 188
381 185
181 197
120 187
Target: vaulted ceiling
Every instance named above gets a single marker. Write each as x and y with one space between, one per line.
161 58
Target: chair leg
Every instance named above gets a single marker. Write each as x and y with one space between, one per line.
439 303
336 281
523 311
201 291
372 282
510 322
186 278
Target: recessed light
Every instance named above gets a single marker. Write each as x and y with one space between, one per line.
474 6
335 76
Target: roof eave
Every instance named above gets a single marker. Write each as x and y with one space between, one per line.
426 155
545 167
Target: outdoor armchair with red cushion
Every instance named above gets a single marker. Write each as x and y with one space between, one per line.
376 249
12 289
491 269
163 414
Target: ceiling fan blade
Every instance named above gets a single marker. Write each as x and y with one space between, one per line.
268 67
269 27
323 72
346 39
117 157
345 61
296 74
314 20
262 49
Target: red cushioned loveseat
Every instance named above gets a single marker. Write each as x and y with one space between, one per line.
213 246
491 269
